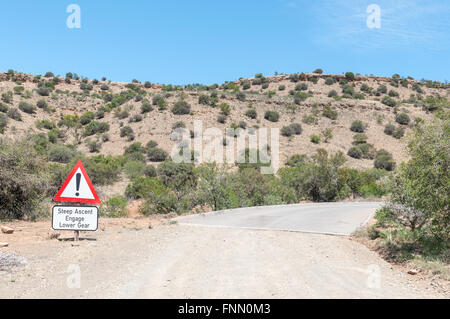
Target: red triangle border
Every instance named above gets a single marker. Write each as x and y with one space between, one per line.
95 200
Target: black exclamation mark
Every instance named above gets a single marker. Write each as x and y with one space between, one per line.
78 177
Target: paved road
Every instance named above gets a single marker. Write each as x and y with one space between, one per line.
327 218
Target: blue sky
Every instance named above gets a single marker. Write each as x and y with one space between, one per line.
212 41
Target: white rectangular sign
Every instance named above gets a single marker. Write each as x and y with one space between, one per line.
75 218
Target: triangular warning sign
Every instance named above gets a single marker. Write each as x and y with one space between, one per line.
77 188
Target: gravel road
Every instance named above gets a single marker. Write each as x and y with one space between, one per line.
182 261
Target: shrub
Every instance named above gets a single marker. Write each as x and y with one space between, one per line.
382 89
358 126
402 118
348 90
286 131
135 118
3 108
3 123
203 99
272 116
24 181
318 71
127 132
43 91
315 139
225 109
156 154
389 129
157 99
42 104
387 100
27 107
14 114
95 127
329 81
123 114
86 118
399 132
296 128
94 146
419 198
350 76
221 118
281 87
251 113
146 107
355 152
332 93
301 87
359 139
7 97
393 93
114 207
181 108
384 160
61 153
329 112
240 96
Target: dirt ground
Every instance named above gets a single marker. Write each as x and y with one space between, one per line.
154 258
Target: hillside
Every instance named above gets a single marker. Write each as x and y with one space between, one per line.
71 111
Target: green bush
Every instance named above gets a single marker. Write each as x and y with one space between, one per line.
251 113
134 169
241 96
146 107
95 127
281 87
24 181
14 114
86 118
286 131
332 93
329 81
225 109
389 129
358 127
350 76
272 116
315 139
3 123
42 104
221 118
296 128
127 132
384 160
330 113
402 118
114 207
355 152
156 154
27 107
181 108
301 87
3 108
399 132
61 153
387 100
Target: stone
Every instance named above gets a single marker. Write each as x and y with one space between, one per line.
7 230
413 272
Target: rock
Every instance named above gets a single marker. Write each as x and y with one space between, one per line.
413 272
2 245
7 230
